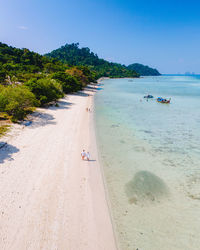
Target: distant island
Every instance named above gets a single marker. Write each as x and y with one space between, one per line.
189 73
143 70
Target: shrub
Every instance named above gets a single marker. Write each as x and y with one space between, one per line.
2 76
69 83
16 101
46 90
4 129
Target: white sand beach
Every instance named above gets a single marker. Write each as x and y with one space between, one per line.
49 198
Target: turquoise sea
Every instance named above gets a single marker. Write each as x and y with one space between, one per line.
150 154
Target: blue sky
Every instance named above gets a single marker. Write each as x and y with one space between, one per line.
161 34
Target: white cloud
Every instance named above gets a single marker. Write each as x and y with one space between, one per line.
22 27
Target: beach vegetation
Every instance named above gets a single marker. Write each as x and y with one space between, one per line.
68 82
16 101
29 80
4 129
45 90
82 73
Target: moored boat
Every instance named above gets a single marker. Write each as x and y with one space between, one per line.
163 100
148 96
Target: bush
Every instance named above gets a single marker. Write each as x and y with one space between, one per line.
4 129
2 76
69 83
46 90
16 101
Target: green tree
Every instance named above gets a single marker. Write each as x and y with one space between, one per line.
16 101
69 83
45 90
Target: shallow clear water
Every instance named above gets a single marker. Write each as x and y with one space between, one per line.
151 158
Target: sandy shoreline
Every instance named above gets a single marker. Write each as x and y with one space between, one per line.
49 198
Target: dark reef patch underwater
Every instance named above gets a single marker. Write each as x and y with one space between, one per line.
145 187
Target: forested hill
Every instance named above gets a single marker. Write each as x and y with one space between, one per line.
143 70
73 55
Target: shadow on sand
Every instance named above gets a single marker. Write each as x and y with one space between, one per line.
62 104
42 119
81 93
92 89
6 151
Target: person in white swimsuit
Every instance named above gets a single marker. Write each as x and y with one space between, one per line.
88 156
83 154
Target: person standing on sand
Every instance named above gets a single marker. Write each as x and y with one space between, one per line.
83 154
88 156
